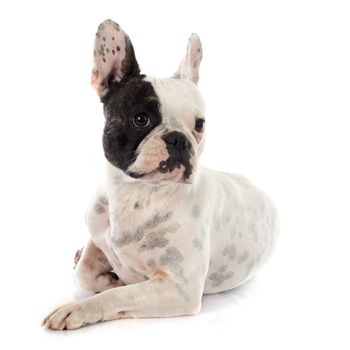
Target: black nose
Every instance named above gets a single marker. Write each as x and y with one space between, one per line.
176 140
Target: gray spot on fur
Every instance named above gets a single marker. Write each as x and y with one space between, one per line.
154 189
182 292
128 237
198 244
101 27
172 259
156 239
196 211
151 263
222 268
103 200
243 257
99 209
230 251
172 256
219 277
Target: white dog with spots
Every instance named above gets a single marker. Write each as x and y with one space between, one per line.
163 230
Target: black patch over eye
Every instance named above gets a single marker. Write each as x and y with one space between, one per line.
141 120
199 126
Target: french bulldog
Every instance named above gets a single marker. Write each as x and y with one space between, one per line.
163 229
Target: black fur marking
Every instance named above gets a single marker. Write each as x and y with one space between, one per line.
122 102
179 149
124 99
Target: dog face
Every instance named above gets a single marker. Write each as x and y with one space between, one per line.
154 128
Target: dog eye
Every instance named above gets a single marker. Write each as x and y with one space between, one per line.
199 124
141 120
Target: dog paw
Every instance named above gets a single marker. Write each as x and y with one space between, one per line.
70 316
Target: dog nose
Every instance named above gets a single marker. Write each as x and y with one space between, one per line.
176 140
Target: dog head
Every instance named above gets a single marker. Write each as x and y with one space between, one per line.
154 128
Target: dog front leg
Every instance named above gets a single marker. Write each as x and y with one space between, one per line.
157 297
94 272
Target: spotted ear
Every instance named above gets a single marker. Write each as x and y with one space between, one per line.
189 67
114 58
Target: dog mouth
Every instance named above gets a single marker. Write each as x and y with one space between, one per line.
135 175
164 167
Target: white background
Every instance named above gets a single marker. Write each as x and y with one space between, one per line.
276 80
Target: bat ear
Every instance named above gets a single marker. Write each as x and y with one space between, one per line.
189 67
114 58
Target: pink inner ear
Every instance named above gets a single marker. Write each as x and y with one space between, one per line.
189 67
109 54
